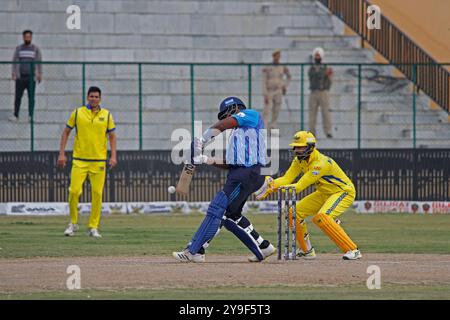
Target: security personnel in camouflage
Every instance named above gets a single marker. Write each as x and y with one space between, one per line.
319 84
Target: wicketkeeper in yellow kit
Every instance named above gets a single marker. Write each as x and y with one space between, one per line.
93 124
334 194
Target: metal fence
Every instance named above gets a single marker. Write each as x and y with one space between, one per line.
397 174
370 103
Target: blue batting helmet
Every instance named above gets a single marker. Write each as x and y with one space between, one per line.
230 106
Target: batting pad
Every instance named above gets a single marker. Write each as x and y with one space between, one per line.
334 232
243 229
302 239
211 223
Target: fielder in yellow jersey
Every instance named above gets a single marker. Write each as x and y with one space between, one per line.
334 194
93 125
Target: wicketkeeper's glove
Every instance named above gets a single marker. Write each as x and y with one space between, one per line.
266 189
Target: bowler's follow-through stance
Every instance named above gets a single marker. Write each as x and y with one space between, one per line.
245 155
334 194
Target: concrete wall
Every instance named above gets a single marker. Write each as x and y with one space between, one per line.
198 31
426 22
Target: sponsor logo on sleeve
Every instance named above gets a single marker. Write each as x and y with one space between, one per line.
316 170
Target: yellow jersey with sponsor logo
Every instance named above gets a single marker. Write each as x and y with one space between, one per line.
91 129
320 170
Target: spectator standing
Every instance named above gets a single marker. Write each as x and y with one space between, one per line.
23 75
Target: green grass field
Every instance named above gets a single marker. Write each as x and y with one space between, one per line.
29 237
388 292
26 237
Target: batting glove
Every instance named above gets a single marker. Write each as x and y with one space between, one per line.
196 150
201 159
198 145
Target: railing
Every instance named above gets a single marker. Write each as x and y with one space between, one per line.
363 97
396 174
398 48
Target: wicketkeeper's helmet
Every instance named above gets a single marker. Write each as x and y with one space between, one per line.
229 106
303 139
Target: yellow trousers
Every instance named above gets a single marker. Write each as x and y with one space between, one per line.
331 204
96 172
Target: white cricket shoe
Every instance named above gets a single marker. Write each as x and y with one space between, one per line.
94 233
186 256
267 252
13 118
352 255
71 229
309 255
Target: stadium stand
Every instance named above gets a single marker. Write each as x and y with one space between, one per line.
200 31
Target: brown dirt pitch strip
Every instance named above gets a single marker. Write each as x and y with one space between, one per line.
163 272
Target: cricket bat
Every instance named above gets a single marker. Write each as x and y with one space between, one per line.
182 187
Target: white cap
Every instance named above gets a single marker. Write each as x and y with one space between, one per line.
318 50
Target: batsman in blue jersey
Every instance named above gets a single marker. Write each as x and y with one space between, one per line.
245 155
